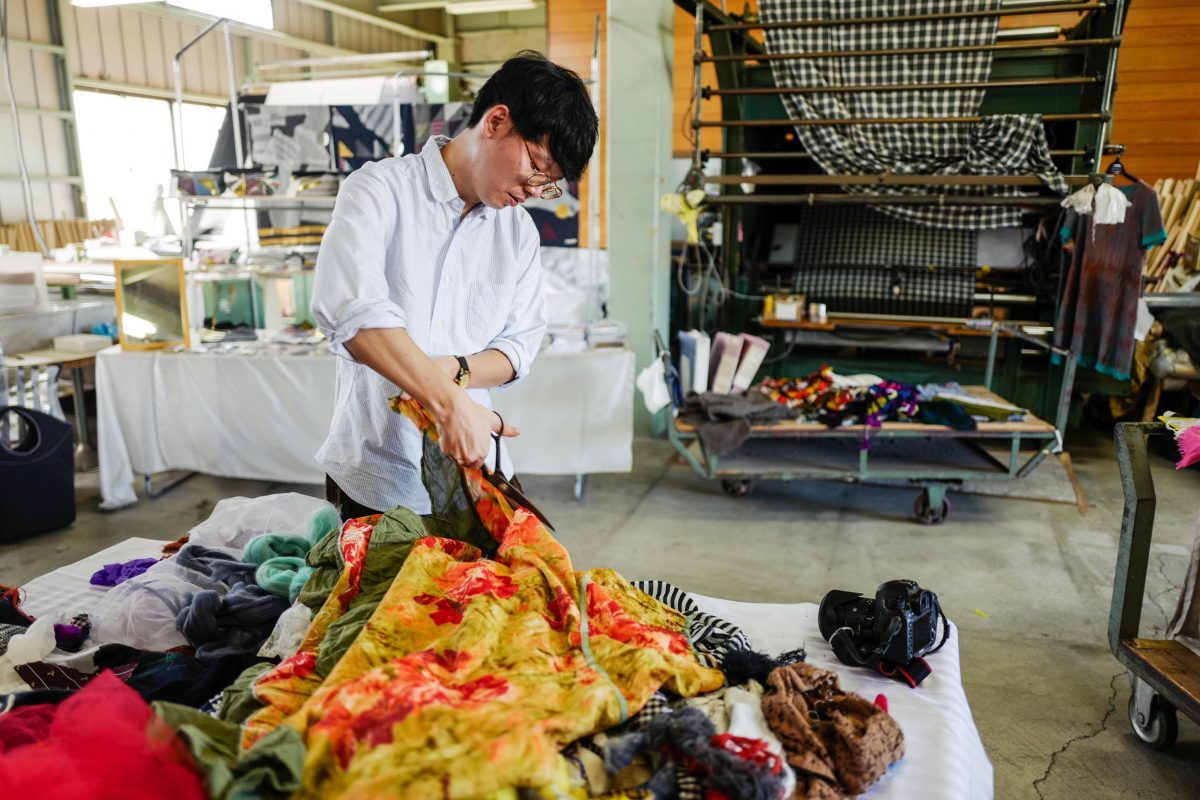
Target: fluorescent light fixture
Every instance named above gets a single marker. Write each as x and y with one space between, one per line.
251 12
487 6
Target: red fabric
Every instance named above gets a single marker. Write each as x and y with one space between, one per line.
103 742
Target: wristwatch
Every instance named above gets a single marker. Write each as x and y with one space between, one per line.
463 378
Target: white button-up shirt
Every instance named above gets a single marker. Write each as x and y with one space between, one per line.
399 254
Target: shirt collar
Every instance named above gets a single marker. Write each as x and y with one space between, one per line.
440 181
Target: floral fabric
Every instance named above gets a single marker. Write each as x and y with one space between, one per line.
472 672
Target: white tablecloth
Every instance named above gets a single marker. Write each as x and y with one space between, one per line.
944 757
264 416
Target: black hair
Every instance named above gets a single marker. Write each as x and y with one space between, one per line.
549 104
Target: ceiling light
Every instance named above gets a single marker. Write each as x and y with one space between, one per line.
486 6
250 12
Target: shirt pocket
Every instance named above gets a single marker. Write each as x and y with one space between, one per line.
488 305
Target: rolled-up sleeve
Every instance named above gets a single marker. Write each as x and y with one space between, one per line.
350 290
526 323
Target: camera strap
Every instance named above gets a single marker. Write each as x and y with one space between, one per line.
917 670
912 673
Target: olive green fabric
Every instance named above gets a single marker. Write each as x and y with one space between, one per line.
273 769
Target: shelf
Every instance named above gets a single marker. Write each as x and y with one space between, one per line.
262 202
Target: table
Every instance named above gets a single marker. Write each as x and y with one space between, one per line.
264 415
32 364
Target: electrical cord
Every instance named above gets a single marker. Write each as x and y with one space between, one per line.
16 123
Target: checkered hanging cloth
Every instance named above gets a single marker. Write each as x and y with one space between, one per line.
1011 144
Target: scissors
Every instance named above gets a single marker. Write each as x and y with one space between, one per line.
511 493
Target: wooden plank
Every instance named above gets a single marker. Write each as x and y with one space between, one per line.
570 26
1170 661
954 329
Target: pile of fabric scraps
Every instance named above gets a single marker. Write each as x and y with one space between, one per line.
836 400
184 627
457 654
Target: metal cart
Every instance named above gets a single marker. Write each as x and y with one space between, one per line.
796 450
1164 673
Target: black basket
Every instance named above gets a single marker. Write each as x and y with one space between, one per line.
37 474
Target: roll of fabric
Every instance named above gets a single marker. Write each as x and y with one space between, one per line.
275 545
284 576
216 564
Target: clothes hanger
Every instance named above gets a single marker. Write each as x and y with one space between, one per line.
1117 167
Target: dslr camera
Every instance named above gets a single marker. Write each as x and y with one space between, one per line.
898 626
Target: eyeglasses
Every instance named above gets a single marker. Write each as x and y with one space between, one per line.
540 180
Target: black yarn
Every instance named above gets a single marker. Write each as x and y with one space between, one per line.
741 666
688 732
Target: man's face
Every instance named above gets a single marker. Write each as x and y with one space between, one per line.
509 161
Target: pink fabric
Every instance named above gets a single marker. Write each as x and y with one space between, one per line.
103 742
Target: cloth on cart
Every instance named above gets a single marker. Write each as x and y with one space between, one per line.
1185 625
998 145
724 421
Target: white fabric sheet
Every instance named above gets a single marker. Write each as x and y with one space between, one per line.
944 755
575 412
264 416
67 589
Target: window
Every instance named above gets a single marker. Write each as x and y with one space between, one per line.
127 151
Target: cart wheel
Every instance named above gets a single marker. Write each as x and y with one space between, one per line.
738 488
927 515
1160 730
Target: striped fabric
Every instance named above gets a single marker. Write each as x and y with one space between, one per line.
711 637
400 254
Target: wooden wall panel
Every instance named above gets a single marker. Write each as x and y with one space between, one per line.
570 28
1155 114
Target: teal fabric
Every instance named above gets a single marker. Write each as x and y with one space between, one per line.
283 576
275 545
324 521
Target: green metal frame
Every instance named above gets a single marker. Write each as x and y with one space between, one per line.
1133 558
738 313
934 482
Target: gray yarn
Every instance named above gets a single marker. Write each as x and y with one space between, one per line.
237 623
689 732
217 564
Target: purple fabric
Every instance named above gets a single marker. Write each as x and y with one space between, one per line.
113 574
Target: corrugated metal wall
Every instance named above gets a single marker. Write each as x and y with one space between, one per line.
128 50
136 47
46 136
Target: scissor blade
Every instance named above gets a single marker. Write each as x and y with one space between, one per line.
515 495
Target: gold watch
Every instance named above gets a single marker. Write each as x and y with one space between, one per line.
463 378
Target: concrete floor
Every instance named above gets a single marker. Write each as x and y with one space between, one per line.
1028 584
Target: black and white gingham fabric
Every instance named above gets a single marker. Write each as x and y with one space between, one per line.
907 291
1013 144
711 637
830 236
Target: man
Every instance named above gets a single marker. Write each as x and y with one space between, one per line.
429 281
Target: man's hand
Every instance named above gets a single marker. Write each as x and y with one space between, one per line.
466 432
